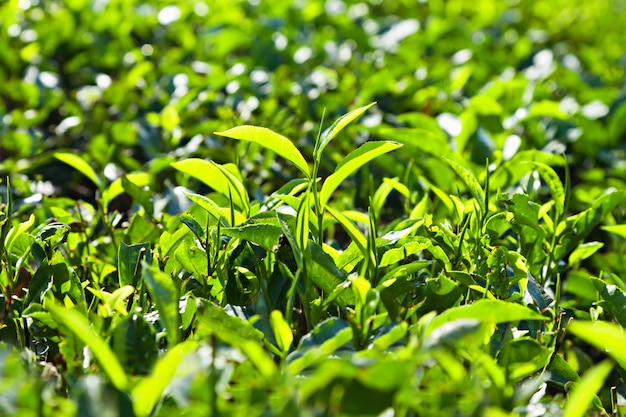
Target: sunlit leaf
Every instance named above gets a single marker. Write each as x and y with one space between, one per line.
584 251
618 229
217 212
556 186
270 140
582 395
488 311
607 337
79 325
614 298
221 178
355 160
80 165
282 331
148 391
470 180
330 133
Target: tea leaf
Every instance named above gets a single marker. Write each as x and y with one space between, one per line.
488 311
584 392
337 127
556 187
614 298
470 180
220 178
355 160
148 391
128 262
217 212
80 165
618 229
607 337
584 251
80 326
165 295
270 140
282 331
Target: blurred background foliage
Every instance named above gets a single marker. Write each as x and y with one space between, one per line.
130 84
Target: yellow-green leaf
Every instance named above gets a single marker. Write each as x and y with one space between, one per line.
355 160
270 140
80 165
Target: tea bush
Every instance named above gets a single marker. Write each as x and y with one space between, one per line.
312 208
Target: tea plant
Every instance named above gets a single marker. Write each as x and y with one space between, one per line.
165 250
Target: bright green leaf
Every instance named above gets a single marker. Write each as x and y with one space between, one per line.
584 251
582 395
355 160
282 331
270 140
330 133
80 165
147 393
488 311
80 326
470 180
607 337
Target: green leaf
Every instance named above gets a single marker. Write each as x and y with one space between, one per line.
355 160
235 184
40 283
214 321
607 337
128 260
79 325
282 331
470 180
523 357
66 282
401 253
330 133
615 300
315 347
169 118
555 185
326 276
147 393
139 193
488 311
193 225
525 211
217 212
547 108
80 165
263 234
193 259
584 251
220 178
302 220
133 340
271 140
17 231
618 229
116 301
584 392
164 293
355 234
